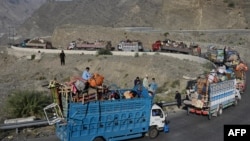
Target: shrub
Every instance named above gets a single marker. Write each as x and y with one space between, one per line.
104 52
89 60
126 75
136 54
157 53
41 78
162 88
231 4
26 103
166 34
33 56
175 83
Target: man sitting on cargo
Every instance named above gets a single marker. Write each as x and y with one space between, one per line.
86 75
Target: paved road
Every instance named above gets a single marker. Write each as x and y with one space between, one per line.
195 127
18 51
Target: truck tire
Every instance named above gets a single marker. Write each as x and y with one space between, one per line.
153 132
98 139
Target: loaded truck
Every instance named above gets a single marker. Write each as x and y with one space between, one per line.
216 97
85 45
37 43
175 47
105 115
130 45
215 55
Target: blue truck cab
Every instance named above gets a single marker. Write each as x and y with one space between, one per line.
106 120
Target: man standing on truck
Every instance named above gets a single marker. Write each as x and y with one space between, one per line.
145 82
137 81
153 86
62 57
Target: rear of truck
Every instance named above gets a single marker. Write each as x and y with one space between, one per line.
132 46
220 95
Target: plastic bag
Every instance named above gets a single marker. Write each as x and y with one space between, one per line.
166 128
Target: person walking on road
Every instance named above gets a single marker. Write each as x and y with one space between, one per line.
178 99
62 57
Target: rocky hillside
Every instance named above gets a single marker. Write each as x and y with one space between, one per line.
159 14
15 12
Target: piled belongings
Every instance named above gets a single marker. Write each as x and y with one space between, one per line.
129 94
83 90
199 93
232 57
196 100
80 90
96 80
241 67
240 75
77 84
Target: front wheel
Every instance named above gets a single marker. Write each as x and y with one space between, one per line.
99 139
153 132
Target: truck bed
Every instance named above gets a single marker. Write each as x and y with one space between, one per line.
119 117
176 49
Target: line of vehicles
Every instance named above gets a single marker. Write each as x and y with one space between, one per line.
219 89
137 46
124 45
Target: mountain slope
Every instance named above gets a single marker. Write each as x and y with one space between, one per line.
15 12
162 14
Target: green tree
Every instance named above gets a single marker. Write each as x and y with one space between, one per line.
27 103
166 34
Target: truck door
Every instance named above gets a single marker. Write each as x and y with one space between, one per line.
119 47
157 117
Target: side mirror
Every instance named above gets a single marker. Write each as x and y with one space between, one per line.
161 115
